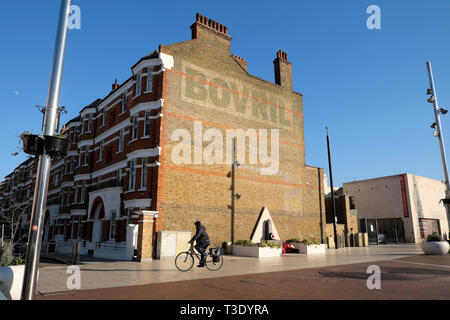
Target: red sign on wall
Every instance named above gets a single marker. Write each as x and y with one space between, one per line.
404 198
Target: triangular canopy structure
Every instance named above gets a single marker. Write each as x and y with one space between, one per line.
263 227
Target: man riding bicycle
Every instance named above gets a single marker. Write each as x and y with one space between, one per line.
202 242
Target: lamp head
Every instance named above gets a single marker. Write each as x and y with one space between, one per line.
443 111
431 100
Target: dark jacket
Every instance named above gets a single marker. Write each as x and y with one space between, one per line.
201 236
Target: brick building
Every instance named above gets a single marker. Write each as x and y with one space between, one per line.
155 152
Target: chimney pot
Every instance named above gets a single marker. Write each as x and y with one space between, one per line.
115 85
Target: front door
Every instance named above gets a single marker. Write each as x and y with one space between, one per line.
372 231
400 230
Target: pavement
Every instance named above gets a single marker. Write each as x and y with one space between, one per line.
101 275
411 278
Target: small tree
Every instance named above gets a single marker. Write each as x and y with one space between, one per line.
11 215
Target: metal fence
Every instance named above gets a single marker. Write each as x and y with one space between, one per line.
117 246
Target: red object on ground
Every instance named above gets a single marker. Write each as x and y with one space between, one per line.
289 248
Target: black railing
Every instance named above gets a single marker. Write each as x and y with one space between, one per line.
118 246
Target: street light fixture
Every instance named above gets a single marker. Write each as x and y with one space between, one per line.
443 111
433 126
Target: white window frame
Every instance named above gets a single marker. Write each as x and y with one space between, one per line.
86 156
124 103
104 117
89 128
144 174
138 85
134 128
150 80
75 196
121 140
100 154
132 179
62 200
69 192
147 121
83 191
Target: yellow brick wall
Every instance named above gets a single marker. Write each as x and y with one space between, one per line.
190 192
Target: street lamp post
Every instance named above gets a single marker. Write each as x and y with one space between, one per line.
333 205
234 196
233 190
49 128
434 100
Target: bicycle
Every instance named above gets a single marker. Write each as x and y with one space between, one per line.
184 261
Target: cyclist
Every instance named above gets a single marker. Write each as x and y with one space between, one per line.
202 242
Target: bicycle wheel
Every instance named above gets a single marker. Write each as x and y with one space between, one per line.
184 261
213 266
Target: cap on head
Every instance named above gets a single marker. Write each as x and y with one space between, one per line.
197 223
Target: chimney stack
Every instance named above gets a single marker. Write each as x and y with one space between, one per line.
283 70
212 33
241 61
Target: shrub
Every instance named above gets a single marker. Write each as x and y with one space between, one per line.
18 262
245 243
6 254
434 237
310 242
270 244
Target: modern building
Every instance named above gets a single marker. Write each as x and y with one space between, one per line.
155 154
400 208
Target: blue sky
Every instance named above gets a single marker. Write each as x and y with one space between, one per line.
368 86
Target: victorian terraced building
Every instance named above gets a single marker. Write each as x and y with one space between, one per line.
155 154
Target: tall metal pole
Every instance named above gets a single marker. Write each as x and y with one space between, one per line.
49 128
233 196
440 135
333 206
